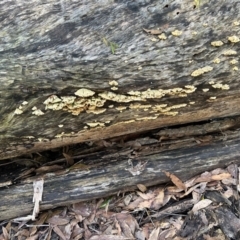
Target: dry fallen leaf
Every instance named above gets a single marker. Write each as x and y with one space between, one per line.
200 205
142 187
175 180
221 176
154 234
57 220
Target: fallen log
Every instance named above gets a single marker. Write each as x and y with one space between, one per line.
112 173
74 71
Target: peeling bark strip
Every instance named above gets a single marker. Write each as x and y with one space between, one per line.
138 80
111 175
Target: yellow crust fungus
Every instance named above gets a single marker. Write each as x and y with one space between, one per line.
217 43
230 52
212 98
18 111
153 39
162 36
216 60
233 39
235 68
96 124
201 71
52 99
24 103
68 99
221 86
37 112
177 33
114 88
118 97
83 92
234 61
121 108
171 113
138 105
113 83
97 111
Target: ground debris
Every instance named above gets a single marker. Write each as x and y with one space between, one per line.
204 207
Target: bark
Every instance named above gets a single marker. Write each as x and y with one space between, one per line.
111 173
139 81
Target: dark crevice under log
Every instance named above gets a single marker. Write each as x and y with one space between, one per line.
109 175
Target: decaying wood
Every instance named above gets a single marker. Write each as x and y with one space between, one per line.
113 174
143 65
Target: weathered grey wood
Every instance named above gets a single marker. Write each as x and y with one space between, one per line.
57 47
62 188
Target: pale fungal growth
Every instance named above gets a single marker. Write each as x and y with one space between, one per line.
113 83
177 33
128 121
18 111
20 107
118 97
211 82
191 103
34 108
146 118
139 68
83 92
162 36
37 112
221 86
24 103
217 43
205 89
60 125
205 24
230 52
52 99
212 98
110 106
68 99
236 23
235 68
233 39
194 33
96 124
121 108
97 111
139 106
190 87
135 93
201 71
153 39
234 61
171 113
114 88
216 60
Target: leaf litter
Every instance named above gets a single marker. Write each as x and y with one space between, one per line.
203 207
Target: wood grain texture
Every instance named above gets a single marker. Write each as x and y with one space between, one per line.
57 47
111 176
